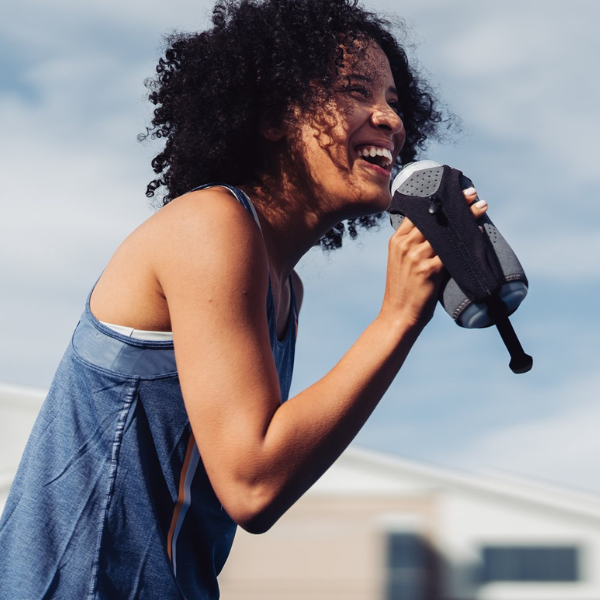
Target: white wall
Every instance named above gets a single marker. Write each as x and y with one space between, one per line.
19 407
471 520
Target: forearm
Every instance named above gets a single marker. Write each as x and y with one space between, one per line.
306 434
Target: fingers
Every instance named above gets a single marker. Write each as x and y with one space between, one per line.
413 276
407 227
410 244
478 207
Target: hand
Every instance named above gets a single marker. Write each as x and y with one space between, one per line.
414 271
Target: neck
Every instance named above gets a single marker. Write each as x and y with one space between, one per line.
292 221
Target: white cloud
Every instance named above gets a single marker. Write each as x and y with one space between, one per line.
525 75
73 178
561 447
570 256
49 25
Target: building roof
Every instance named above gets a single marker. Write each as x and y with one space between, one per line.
366 472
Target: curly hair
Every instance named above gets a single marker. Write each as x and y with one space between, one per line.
262 57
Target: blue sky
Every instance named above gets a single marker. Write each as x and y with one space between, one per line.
523 78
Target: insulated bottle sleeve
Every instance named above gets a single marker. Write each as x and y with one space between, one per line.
487 282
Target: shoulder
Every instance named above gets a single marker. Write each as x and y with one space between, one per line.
213 211
208 224
206 237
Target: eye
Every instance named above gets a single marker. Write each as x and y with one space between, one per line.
361 90
395 106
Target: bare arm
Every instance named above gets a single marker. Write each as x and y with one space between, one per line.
261 455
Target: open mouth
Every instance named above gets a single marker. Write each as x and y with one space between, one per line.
380 157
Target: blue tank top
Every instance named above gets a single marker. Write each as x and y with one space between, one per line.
111 500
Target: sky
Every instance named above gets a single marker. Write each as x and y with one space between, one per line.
522 77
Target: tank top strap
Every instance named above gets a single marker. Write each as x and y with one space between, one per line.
240 196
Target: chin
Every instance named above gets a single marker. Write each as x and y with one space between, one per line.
372 207
382 202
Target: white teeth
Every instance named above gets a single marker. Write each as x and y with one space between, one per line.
373 151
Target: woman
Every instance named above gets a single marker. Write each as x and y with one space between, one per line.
166 425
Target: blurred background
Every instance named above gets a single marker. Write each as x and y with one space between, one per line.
522 76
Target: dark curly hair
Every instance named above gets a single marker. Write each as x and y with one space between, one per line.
262 57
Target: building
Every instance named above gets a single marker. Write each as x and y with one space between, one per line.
377 527
19 407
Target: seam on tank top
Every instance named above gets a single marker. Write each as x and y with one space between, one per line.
114 461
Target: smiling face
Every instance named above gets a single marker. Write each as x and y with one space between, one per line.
351 141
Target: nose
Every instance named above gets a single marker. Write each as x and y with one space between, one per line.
385 117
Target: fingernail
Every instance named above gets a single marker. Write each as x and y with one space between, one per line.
470 191
481 204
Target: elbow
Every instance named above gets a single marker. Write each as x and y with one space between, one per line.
254 510
256 524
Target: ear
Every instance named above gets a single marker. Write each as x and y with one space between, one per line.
272 134
269 130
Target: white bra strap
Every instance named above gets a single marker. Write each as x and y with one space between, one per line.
141 334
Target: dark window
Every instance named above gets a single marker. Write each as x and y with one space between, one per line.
530 563
411 568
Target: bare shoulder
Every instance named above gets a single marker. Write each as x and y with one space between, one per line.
204 231
212 212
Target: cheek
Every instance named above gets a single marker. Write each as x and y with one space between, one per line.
330 149
400 139
327 139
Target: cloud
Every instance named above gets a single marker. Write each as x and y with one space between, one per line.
521 70
38 24
73 178
560 447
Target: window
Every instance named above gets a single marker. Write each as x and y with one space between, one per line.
410 566
530 563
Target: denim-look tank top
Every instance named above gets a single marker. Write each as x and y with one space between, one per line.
111 500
